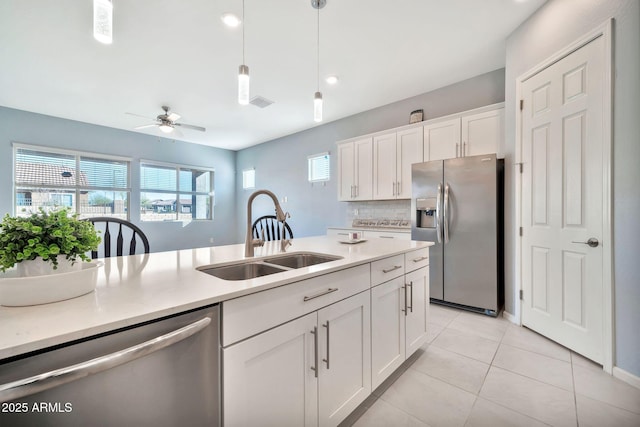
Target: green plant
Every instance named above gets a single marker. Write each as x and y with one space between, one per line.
47 235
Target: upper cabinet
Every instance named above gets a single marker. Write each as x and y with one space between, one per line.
355 174
378 166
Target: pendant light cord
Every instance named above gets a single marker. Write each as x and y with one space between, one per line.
318 48
243 25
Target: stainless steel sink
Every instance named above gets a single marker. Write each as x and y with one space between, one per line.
300 260
242 271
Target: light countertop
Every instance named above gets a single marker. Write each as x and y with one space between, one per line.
139 288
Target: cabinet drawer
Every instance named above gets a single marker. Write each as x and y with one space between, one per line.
387 269
246 316
387 235
416 259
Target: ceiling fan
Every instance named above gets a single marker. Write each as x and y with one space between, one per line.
166 121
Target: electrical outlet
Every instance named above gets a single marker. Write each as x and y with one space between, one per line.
210 239
355 212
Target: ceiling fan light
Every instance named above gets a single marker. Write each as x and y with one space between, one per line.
243 85
166 128
103 21
317 107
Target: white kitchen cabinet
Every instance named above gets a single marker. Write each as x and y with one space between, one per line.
393 154
482 133
417 286
442 140
314 370
343 233
344 377
355 174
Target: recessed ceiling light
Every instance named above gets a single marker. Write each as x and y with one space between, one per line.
230 20
332 80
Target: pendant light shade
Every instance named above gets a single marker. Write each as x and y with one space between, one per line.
317 107
243 85
103 21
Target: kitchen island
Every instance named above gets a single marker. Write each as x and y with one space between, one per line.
136 289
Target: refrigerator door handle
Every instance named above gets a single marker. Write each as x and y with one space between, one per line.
446 213
438 214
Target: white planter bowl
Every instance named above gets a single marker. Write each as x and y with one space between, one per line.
18 290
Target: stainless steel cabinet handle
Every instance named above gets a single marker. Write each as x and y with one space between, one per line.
328 291
387 237
410 285
592 242
355 190
457 149
404 291
314 368
37 383
422 258
343 234
327 359
393 188
464 149
445 215
398 188
389 270
438 216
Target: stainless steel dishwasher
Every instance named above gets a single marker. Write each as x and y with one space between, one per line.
160 373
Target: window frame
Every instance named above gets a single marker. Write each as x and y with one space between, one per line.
77 188
310 159
177 192
254 178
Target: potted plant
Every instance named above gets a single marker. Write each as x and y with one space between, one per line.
47 250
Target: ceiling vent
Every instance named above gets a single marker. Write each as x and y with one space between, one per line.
261 102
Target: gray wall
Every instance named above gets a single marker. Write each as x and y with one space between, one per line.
30 128
281 164
555 25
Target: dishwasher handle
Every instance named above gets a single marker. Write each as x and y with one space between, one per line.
37 383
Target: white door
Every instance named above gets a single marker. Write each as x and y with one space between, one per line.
408 151
344 358
268 380
417 289
363 189
384 166
442 140
562 200
346 171
482 133
387 329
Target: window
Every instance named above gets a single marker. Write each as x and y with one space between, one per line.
175 193
89 184
248 179
319 167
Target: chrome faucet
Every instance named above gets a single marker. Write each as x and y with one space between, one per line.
250 243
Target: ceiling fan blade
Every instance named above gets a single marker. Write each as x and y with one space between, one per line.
144 117
173 117
145 126
184 125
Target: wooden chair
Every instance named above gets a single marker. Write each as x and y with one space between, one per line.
125 230
272 229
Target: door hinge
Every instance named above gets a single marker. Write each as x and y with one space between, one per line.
521 231
521 104
521 295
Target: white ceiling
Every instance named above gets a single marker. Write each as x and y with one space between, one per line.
179 53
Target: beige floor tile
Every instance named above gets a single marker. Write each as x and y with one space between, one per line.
433 330
383 414
457 370
518 336
535 399
488 414
580 360
442 315
533 365
492 331
592 413
430 400
467 344
601 386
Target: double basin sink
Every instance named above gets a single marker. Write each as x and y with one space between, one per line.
250 269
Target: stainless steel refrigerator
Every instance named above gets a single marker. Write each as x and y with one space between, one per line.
458 204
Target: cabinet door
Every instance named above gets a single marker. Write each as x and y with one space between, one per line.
268 379
417 286
384 166
344 358
482 133
387 330
364 169
409 147
346 171
442 140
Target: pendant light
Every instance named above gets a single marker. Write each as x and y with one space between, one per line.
317 97
243 72
103 21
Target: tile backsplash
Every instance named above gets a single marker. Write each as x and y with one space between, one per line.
379 209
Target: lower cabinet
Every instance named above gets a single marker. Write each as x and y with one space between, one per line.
399 310
312 371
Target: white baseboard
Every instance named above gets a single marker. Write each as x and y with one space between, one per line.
510 317
627 377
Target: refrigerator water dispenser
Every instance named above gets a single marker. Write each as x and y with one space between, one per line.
426 212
